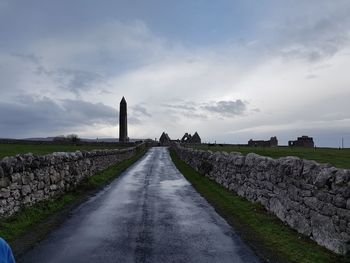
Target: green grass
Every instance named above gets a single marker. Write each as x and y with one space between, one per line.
337 157
258 227
17 225
42 149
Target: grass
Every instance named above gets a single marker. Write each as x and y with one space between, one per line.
42 149
19 224
262 230
337 157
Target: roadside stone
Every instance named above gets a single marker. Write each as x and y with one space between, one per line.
344 214
299 222
16 194
346 193
16 178
339 201
25 179
278 209
4 182
311 202
26 190
341 177
324 177
324 233
5 193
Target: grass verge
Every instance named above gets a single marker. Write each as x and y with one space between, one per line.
337 157
34 217
266 234
42 149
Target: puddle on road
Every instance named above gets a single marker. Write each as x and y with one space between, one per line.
171 184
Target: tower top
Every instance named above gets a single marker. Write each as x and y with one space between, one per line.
123 100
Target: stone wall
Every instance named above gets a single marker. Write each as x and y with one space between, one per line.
27 179
312 198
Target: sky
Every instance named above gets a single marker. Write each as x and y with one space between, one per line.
230 70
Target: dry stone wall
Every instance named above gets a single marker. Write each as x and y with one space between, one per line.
27 179
312 198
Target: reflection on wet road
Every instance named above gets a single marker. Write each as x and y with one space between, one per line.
149 214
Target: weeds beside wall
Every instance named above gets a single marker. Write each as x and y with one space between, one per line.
312 198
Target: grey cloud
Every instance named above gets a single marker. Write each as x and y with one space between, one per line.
78 80
134 120
32 58
183 106
28 57
228 108
188 109
316 39
139 110
27 116
136 115
73 80
200 111
311 76
194 115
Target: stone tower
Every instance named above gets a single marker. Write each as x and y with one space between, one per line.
123 122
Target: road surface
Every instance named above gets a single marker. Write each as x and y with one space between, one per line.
149 214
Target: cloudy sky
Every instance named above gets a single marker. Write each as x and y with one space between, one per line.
230 69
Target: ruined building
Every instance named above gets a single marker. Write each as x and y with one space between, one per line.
164 139
188 138
303 141
123 123
273 142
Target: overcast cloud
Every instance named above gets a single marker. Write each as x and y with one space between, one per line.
231 70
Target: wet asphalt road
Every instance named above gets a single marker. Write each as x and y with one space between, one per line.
149 214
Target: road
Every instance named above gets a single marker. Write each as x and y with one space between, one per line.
150 213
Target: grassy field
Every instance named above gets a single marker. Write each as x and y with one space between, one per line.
337 157
16 226
272 240
13 149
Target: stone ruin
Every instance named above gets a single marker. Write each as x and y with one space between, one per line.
273 142
303 141
164 139
188 138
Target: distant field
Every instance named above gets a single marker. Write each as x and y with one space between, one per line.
337 157
13 149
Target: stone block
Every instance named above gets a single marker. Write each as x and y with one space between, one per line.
14 186
343 214
342 177
53 187
298 222
39 195
323 232
329 210
4 182
25 179
277 208
311 202
16 178
339 201
325 177
26 190
16 194
41 185
5 193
